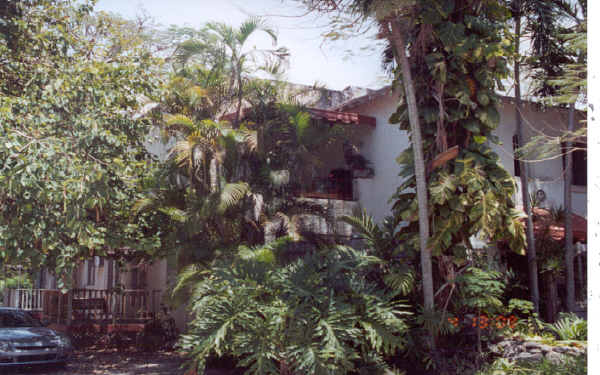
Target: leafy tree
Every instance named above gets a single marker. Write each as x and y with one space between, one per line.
70 148
457 53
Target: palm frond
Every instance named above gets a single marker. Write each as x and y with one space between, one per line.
301 122
179 121
253 24
403 282
145 204
187 49
569 327
260 254
250 139
174 213
187 278
232 194
363 224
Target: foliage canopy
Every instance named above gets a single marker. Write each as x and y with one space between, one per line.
71 149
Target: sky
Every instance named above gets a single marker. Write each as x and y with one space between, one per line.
336 65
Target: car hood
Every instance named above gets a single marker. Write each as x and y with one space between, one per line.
27 334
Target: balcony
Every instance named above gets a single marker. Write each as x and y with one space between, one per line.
335 195
337 185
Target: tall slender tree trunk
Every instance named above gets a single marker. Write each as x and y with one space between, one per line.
569 251
531 253
552 297
240 95
417 145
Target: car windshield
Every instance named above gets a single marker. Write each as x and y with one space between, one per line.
17 319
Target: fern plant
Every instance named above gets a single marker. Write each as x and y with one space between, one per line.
316 315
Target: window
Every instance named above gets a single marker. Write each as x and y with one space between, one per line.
579 159
578 163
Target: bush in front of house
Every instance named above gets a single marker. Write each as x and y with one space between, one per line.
317 314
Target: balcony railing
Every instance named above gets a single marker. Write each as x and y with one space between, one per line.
88 304
26 299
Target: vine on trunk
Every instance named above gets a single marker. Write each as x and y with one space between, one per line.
457 69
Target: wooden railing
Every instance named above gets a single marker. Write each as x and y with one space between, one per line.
88 304
127 304
26 299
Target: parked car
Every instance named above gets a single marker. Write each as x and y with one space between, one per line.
25 341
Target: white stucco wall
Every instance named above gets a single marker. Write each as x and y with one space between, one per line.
384 143
546 175
381 146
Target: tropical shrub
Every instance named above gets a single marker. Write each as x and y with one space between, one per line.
315 315
569 327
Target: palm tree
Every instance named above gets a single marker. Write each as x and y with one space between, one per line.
200 189
224 47
221 181
531 251
547 21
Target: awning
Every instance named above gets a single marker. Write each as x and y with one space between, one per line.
327 115
343 117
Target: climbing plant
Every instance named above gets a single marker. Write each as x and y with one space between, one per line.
458 51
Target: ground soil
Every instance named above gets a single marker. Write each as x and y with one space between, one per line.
111 362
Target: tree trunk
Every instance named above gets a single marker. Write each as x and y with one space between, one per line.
569 251
551 298
417 145
531 252
240 95
581 275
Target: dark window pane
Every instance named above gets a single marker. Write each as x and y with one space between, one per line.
579 159
579 163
